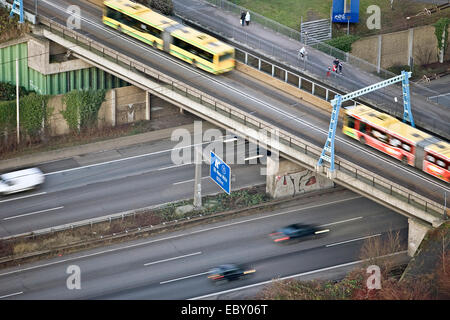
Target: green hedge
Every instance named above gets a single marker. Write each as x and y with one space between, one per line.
343 43
33 113
8 91
82 108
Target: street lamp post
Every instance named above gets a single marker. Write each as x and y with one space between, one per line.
17 101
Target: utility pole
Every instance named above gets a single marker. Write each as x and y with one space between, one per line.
17 101
198 157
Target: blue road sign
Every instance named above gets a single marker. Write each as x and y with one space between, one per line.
220 172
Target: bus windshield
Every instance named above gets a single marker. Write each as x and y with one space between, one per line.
225 56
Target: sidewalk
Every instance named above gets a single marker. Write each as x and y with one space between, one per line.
284 50
106 145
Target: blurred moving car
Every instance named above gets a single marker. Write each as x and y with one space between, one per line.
297 231
22 180
229 272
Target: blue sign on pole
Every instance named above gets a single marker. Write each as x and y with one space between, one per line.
220 172
345 11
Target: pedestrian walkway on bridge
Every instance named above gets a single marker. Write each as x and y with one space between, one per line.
284 49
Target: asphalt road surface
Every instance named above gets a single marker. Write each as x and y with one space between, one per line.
104 183
251 96
175 265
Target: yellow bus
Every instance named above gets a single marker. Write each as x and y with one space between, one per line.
199 49
389 135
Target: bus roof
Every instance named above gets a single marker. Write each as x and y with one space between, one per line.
141 12
389 123
440 148
162 22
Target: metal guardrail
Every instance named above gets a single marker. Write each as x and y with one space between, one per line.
248 120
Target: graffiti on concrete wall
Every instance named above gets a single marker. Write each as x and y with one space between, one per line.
296 183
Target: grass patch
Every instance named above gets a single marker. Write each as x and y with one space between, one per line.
289 13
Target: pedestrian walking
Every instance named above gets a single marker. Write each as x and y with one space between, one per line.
242 18
340 67
329 71
247 18
334 68
335 64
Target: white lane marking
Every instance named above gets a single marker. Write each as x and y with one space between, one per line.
186 181
31 213
171 237
343 221
123 159
174 258
254 157
174 166
352 240
182 278
12 294
19 198
289 277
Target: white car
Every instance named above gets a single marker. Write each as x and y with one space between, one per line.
21 180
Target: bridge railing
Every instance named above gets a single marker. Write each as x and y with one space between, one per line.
286 138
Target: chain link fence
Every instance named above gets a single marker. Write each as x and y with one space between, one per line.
318 45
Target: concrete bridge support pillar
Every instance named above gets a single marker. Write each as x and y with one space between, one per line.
290 179
148 105
416 233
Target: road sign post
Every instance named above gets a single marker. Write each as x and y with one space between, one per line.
220 173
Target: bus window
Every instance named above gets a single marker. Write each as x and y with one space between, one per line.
395 142
406 147
440 163
379 135
225 56
113 14
151 30
430 158
192 49
362 127
350 122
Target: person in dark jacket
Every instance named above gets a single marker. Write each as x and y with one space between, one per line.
242 18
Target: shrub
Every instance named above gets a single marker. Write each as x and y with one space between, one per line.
8 91
164 6
343 43
82 108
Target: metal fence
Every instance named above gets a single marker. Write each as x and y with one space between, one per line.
319 45
382 99
289 140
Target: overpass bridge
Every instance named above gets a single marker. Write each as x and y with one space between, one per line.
232 104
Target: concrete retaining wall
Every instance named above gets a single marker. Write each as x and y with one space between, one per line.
396 47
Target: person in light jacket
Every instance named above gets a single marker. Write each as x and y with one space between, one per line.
247 18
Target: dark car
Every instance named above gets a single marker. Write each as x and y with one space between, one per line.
229 272
297 231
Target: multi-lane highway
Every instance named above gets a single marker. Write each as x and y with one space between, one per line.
105 183
251 96
174 265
